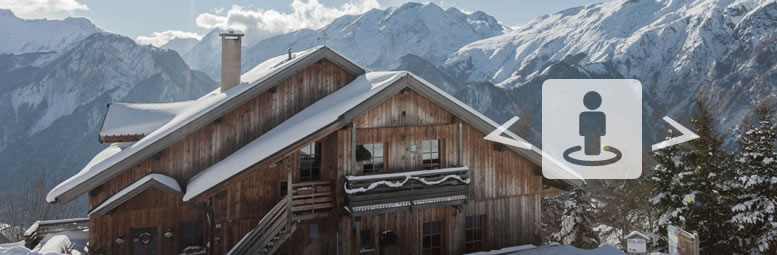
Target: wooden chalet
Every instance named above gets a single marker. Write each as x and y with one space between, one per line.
307 153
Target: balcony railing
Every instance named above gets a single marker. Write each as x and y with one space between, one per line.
312 199
380 192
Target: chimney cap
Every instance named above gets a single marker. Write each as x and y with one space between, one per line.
231 33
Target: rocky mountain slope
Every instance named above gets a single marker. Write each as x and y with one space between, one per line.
673 47
374 39
40 35
52 102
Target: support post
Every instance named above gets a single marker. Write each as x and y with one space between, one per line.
289 195
353 147
459 159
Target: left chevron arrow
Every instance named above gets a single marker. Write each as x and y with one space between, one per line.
496 136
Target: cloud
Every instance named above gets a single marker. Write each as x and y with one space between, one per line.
160 38
37 9
259 24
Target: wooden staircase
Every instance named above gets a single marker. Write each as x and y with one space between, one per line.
308 200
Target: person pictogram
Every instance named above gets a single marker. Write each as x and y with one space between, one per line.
593 124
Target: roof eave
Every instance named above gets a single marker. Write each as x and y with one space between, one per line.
159 145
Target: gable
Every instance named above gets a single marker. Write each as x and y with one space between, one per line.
219 139
208 109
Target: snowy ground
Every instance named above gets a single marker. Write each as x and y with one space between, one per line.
551 249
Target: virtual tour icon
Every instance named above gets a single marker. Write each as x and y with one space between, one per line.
592 129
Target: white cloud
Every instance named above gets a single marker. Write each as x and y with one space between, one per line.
37 9
160 38
259 24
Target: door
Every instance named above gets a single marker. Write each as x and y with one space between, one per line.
145 241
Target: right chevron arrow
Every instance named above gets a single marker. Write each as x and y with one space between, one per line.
687 135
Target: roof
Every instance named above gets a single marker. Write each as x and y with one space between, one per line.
127 119
315 117
159 181
197 114
171 122
62 223
636 234
333 112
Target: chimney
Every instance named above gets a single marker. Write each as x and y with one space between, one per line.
230 59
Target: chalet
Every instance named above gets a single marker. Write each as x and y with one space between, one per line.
307 153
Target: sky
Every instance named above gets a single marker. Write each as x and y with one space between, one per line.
156 22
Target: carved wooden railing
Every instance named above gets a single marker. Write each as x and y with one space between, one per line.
398 190
312 199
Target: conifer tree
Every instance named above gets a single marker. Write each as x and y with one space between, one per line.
691 190
755 216
669 189
576 223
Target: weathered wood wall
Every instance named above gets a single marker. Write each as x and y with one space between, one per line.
505 186
217 140
509 221
152 207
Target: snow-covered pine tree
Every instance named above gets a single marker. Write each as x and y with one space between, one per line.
708 200
690 182
755 215
669 189
576 223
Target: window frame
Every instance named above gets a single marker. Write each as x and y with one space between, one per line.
283 188
314 167
369 247
431 248
371 162
471 243
183 235
434 160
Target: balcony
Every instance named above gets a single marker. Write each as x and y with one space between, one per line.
378 193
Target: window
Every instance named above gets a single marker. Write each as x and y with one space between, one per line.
144 241
432 241
283 188
312 231
374 163
310 162
473 231
365 240
191 234
430 151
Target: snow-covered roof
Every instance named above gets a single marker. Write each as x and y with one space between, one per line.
139 119
34 227
315 117
325 113
160 181
637 234
183 120
551 249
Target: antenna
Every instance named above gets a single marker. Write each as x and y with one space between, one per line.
323 37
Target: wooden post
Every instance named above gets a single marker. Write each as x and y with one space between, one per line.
353 148
460 161
289 195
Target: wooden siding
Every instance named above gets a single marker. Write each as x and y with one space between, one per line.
217 140
508 221
150 208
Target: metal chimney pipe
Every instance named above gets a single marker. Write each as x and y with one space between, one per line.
230 59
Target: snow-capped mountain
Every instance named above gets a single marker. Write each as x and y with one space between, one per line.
39 35
52 102
670 46
374 39
181 45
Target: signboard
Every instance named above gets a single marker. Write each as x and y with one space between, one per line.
636 245
681 242
413 148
